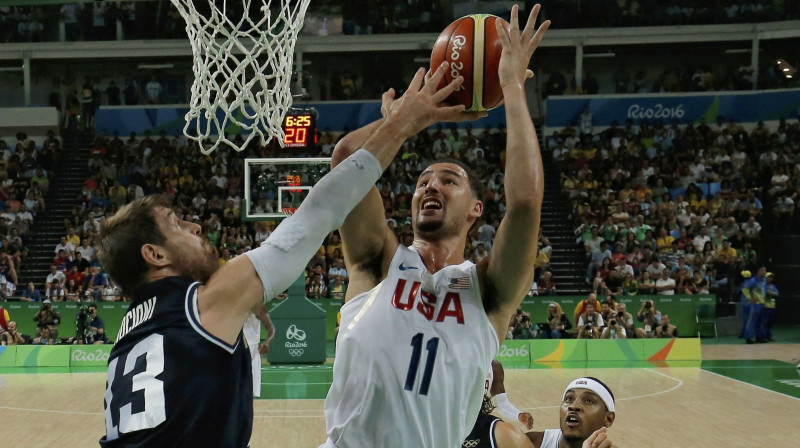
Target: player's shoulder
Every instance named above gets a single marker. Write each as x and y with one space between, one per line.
508 435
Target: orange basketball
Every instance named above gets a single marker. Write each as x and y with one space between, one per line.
471 46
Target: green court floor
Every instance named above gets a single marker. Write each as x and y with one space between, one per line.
777 376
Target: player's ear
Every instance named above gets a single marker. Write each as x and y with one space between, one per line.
610 416
155 255
477 210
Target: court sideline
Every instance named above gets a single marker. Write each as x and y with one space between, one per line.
657 407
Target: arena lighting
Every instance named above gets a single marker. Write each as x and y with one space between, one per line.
609 54
154 66
785 67
737 50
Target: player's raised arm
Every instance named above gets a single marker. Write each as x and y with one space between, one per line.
240 284
364 232
514 251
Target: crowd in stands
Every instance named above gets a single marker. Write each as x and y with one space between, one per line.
25 171
208 190
160 20
593 319
677 209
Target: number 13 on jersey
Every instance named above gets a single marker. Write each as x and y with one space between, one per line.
411 377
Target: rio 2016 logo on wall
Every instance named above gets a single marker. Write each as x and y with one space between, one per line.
639 112
506 351
296 348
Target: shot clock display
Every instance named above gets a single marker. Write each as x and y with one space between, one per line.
299 131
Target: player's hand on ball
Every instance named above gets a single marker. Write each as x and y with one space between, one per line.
518 47
527 419
598 439
423 102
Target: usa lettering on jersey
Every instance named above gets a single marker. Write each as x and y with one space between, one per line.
451 304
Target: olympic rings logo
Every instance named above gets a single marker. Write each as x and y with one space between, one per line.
295 333
295 352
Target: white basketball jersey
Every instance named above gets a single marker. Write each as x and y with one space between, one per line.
411 359
550 439
252 334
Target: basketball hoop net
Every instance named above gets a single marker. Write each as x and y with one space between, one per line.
242 64
289 211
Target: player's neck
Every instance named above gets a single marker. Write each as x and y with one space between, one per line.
563 442
439 254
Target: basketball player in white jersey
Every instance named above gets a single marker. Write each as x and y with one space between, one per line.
252 334
587 410
421 325
179 375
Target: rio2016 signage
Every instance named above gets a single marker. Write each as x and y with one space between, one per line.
742 107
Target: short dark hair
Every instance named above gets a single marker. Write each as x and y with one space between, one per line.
122 237
475 183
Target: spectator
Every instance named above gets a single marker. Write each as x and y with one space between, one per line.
55 292
614 330
665 285
94 284
47 319
524 329
55 276
31 294
66 246
62 262
546 286
650 318
666 329
590 323
44 337
12 336
625 319
153 89
557 322
580 308
96 333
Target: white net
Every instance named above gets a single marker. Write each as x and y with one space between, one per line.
243 53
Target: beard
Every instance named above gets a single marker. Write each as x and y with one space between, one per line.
429 226
200 266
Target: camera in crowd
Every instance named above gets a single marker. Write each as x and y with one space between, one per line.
612 323
82 324
648 304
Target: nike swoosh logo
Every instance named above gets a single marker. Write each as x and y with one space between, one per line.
406 268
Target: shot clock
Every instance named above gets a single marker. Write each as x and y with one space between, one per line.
299 131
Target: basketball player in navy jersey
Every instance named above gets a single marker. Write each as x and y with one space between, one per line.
421 324
179 374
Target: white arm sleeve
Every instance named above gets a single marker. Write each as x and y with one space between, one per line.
508 411
283 256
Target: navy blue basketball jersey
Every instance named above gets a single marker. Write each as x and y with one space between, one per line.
482 435
172 384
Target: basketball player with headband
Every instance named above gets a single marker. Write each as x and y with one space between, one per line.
587 410
420 324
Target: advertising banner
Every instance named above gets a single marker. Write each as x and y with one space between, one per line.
337 116
742 107
515 353
89 355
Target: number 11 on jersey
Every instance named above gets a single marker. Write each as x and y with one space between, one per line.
431 347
